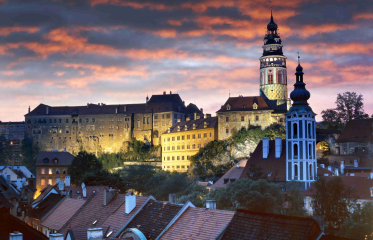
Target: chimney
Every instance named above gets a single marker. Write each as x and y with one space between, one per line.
205 125
178 128
87 105
172 198
61 185
336 172
371 175
67 181
164 92
187 119
356 163
8 179
47 111
29 109
116 110
24 181
130 203
170 92
322 165
108 195
56 236
278 144
201 110
16 236
195 116
84 190
330 168
342 167
169 130
265 147
95 234
208 115
211 204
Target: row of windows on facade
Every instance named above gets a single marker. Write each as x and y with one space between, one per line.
172 158
87 120
281 77
178 138
182 147
296 172
50 171
50 181
176 167
295 131
296 151
242 118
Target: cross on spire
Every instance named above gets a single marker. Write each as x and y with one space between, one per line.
298 58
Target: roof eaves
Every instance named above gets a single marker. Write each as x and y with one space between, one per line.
182 210
134 215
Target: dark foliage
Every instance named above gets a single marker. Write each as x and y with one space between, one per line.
83 163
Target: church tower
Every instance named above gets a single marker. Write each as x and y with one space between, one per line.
301 163
273 76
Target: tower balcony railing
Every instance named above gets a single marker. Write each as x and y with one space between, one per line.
272 65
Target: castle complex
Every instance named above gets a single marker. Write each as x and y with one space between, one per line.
270 106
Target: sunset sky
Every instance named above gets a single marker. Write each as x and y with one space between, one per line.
111 51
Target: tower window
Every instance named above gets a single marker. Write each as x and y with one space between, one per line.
311 175
309 130
295 171
295 150
310 150
270 78
295 130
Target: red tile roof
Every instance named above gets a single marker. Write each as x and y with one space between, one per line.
237 104
253 225
198 223
234 172
276 167
64 159
90 191
62 213
357 131
118 218
361 186
44 192
154 217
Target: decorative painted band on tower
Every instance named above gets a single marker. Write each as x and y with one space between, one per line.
301 162
273 73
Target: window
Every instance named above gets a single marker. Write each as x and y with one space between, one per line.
182 137
67 131
199 146
193 146
168 115
173 138
309 131
199 135
45 160
182 157
356 149
227 119
205 135
227 130
178 158
67 120
188 136
86 120
155 123
257 118
188 157
188 146
311 175
182 147
144 120
193 136
55 160
59 120
168 158
50 181
295 130
242 118
173 147
156 116
295 150
178 147
173 158
50 171
270 78
178 138
93 120
295 171
64 171
138 123
42 182
80 120
57 171
310 150
43 171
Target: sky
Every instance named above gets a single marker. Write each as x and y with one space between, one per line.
67 53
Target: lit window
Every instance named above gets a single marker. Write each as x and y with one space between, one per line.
42 182
50 182
50 171
43 171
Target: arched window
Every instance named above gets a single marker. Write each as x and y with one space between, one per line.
311 174
295 150
309 130
155 134
310 150
295 171
295 130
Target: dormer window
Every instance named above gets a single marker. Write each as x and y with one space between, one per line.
255 106
55 160
243 106
194 126
64 171
45 160
228 107
57 171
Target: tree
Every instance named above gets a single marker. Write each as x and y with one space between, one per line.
102 177
5 151
260 196
350 106
360 224
194 193
137 176
29 154
256 173
83 163
332 199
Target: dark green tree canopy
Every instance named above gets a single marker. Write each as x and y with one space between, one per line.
103 177
83 163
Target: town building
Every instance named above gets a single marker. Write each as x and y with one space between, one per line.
184 139
232 175
14 133
356 139
51 167
272 103
105 128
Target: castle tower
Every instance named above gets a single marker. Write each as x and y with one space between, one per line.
273 75
301 163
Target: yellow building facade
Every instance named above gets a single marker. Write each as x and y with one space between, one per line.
184 139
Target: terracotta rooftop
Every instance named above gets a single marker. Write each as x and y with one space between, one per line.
233 173
198 223
118 218
244 104
62 213
48 159
44 192
361 187
81 233
154 217
77 192
10 224
212 122
253 225
357 131
43 209
275 167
